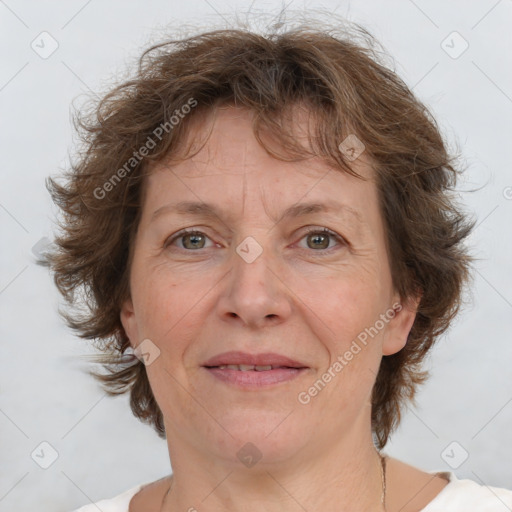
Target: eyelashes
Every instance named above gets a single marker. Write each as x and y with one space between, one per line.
326 233
197 237
182 234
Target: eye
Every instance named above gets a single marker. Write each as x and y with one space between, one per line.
191 239
317 238
320 238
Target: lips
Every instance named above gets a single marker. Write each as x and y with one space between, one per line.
244 361
253 371
247 367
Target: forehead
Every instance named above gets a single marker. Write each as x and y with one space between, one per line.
223 138
229 164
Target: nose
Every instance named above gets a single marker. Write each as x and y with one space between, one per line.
256 295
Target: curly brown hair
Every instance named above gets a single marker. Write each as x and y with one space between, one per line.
340 76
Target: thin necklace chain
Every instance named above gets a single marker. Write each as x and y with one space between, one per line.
383 478
383 473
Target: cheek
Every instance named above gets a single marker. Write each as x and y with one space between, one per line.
353 353
347 307
160 307
171 313
350 308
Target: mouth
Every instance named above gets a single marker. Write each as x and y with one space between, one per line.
253 371
252 378
249 367
245 361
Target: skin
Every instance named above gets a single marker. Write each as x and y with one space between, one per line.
305 298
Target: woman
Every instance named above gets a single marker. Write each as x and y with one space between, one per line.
264 230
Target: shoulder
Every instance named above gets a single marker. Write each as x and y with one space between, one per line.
120 503
441 491
464 494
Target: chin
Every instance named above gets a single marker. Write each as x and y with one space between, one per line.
258 435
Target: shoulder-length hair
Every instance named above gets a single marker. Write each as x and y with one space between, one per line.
338 75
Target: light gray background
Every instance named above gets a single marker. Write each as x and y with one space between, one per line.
44 393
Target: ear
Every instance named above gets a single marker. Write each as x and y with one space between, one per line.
400 325
129 322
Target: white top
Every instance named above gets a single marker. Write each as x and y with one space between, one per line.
457 496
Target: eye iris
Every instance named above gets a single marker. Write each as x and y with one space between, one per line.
319 236
197 240
194 238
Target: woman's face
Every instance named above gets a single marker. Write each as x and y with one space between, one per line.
253 280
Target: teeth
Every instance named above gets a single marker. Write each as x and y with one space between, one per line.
246 367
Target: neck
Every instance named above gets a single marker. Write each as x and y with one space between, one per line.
345 476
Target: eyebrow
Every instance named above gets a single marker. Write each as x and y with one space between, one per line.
207 210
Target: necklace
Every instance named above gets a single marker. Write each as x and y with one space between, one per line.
383 474
383 478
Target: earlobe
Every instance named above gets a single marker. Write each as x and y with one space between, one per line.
400 325
129 321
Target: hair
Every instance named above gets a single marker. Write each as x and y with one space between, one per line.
338 74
